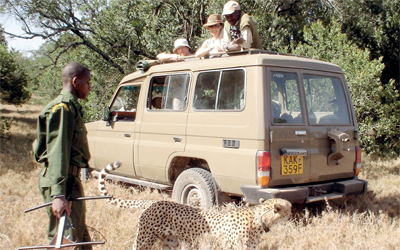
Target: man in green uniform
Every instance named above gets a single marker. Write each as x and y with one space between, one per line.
61 145
240 31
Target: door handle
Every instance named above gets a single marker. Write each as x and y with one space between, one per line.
177 139
300 132
127 135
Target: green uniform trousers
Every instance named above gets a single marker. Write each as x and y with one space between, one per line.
78 232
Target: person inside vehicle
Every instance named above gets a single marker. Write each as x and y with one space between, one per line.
240 31
181 49
215 44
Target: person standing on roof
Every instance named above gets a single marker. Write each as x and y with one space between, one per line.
181 49
215 44
240 32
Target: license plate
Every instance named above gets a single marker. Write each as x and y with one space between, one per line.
291 164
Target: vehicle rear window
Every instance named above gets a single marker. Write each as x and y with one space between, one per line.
220 90
169 92
285 98
326 101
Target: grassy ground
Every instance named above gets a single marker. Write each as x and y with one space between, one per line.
370 221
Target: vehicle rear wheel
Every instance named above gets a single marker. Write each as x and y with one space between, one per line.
195 187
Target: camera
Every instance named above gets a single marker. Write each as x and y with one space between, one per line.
235 32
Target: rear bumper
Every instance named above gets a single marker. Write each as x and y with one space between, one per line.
306 193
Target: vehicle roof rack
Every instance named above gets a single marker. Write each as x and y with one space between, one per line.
144 65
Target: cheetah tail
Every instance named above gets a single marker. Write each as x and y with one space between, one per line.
104 172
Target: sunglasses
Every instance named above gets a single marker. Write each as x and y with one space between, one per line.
214 26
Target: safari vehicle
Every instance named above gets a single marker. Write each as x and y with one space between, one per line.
252 125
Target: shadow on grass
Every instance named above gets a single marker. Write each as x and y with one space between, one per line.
20 112
16 153
368 202
27 120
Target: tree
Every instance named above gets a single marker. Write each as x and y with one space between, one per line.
54 18
374 25
376 105
120 32
13 79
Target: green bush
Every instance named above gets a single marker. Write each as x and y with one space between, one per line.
14 80
5 125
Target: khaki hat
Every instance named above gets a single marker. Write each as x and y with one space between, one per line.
213 19
181 42
230 7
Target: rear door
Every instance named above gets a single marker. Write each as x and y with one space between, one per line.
289 133
331 126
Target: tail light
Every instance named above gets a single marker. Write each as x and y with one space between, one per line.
357 164
263 167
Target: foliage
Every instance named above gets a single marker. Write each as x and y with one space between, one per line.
14 80
5 125
376 105
374 25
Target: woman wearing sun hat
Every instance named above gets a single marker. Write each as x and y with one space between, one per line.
214 25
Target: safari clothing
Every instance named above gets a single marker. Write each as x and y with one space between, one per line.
248 31
61 145
214 43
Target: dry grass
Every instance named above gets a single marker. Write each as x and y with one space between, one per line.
370 221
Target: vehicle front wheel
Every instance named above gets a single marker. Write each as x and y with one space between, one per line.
195 187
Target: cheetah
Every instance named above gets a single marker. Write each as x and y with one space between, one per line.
173 222
164 219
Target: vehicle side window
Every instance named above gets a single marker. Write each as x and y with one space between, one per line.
220 90
125 103
169 92
285 98
326 101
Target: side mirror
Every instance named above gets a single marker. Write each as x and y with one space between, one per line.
106 114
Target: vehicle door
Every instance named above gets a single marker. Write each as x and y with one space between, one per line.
331 126
115 137
163 125
289 133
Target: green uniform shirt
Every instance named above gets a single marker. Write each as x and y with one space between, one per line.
61 142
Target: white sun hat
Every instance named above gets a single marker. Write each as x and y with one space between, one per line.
181 42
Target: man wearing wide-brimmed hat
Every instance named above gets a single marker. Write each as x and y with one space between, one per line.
181 48
240 31
215 44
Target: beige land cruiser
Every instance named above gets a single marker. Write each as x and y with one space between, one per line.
253 125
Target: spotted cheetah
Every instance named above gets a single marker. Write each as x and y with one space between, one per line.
173 222
164 219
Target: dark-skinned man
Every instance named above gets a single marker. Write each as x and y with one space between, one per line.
61 145
240 32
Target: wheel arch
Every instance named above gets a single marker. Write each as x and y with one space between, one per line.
180 163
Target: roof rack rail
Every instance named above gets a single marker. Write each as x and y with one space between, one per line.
260 51
144 65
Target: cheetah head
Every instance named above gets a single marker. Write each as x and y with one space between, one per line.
274 210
